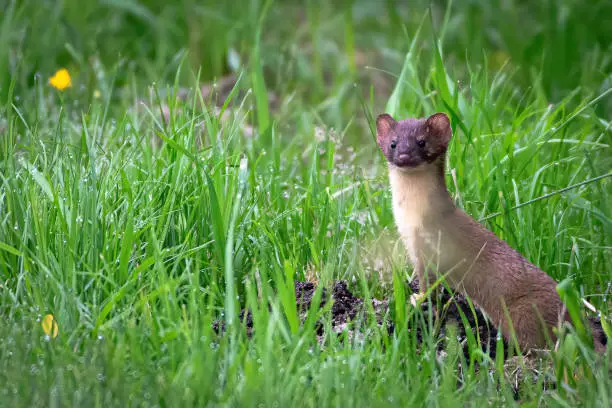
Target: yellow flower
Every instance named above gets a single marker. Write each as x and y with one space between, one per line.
61 80
49 325
498 59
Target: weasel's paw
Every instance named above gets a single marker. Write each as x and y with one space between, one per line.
416 299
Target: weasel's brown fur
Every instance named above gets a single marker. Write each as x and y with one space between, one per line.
442 239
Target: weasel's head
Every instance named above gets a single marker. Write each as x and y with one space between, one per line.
413 143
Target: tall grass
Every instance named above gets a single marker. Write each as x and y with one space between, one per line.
138 229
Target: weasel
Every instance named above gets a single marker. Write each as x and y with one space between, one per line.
517 296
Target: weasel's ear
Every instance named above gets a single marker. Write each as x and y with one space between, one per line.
384 124
438 127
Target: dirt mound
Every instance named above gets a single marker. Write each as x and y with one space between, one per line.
446 307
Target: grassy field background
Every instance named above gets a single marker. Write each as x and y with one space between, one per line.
137 210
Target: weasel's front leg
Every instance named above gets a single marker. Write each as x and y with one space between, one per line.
417 298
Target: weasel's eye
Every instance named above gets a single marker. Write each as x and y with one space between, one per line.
421 143
393 144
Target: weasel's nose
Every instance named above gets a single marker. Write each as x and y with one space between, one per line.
403 156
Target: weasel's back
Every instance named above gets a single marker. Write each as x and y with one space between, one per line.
504 283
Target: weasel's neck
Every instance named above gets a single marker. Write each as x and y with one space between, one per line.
421 192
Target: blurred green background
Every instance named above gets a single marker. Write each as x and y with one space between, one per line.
558 45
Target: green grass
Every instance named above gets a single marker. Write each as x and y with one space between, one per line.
137 232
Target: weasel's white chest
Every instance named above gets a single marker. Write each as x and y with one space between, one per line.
415 216
409 227
422 238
